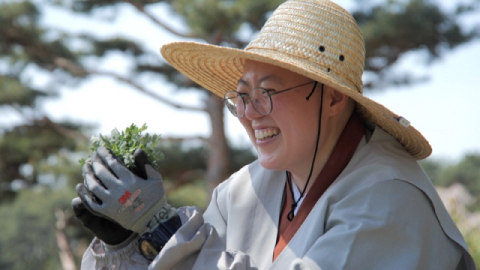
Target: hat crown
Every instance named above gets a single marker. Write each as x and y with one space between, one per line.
318 35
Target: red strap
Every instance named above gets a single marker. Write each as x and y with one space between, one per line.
338 160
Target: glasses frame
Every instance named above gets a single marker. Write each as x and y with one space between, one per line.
270 93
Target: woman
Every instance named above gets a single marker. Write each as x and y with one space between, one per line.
336 184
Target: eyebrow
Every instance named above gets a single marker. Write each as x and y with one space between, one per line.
266 78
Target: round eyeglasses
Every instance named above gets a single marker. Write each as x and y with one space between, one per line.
259 97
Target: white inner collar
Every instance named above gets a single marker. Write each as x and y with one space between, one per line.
296 195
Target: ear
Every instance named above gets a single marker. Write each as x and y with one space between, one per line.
336 101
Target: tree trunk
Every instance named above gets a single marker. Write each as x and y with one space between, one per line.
64 250
218 160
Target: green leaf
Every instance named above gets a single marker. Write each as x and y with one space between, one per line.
124 143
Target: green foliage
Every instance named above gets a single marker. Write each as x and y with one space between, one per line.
28 239
29 145
14 92
194 194
472 238
182 160
219 20
470 233
25 46
123 144
465 172
240 157
118 44
63 168
23 41
434 168
396 27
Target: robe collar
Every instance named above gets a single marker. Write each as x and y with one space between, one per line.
339 158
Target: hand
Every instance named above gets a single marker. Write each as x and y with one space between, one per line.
110 232
136 202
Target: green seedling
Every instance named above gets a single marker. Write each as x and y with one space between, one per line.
124 143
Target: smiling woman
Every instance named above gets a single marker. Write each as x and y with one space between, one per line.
336 184
291 149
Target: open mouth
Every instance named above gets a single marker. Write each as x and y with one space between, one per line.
266 133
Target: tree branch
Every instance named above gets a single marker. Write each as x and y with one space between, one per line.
181 139
149 93
64 250
63 130
76 69
70 133
141 8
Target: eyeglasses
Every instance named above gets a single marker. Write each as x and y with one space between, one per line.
259 97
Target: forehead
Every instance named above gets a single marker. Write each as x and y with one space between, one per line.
255 73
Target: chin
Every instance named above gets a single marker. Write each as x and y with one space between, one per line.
269 163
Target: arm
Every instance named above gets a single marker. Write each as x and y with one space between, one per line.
200 242
195 245
117 257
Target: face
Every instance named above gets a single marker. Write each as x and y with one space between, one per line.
285 139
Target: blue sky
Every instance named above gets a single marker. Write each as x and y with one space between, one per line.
445 109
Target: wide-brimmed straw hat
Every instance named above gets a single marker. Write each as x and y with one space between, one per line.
315 38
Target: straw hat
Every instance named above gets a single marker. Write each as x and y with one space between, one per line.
315 38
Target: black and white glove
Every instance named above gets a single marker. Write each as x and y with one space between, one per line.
110 232
136 201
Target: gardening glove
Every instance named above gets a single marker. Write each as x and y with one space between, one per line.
136 201
110 232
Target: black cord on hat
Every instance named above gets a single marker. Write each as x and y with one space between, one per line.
291 214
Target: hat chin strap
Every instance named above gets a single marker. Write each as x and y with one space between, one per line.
291 214
313 90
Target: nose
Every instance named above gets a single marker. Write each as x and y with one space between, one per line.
250 112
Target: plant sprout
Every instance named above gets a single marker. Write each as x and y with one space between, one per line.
124 143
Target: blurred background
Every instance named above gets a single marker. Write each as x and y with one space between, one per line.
70 69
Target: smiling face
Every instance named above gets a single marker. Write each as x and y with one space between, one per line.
285 139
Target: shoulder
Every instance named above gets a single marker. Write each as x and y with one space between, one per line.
382 158
384 186
394 220
383 178
239 187
390 200
251 178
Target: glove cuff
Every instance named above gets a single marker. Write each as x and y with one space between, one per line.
161 217
158 213
113 248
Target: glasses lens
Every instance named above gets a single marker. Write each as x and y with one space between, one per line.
261 101
235 103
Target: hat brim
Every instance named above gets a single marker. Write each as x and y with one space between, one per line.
218 70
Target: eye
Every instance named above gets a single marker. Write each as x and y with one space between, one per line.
244 97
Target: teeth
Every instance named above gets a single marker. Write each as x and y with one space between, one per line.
263 134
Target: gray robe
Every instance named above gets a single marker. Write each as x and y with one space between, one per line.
382 212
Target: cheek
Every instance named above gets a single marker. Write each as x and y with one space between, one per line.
299 122
248 127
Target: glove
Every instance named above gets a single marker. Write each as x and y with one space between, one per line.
111 233
112 191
